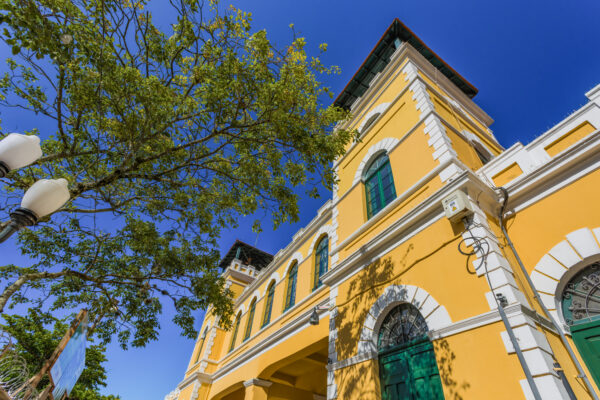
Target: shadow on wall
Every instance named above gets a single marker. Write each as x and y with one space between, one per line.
362 380
363 291
445 360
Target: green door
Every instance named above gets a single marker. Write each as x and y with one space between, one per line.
587 339
410 372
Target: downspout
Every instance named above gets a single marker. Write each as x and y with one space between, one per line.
563 338
501 302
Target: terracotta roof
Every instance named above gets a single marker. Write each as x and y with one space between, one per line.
394 36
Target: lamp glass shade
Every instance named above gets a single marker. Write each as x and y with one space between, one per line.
46 196
18 150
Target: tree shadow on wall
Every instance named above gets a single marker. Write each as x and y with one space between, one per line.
364 289
445 360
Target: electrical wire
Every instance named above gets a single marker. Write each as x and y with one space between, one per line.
482 248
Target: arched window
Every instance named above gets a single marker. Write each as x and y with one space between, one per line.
202 339
250 319
580 301
369 122
403 325
379 185
290 296
269 304
484 155
321 261
236 327
407 363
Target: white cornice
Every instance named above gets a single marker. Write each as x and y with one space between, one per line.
416 78
379 83
195 377
241 276
490 317
578 160
282 334
303 235
418 218
398 200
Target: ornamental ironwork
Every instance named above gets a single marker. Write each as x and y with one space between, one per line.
581 296
403 324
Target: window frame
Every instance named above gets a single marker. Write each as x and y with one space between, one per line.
235 331
202 338
374 177
249 324
290 293
321 253
268 304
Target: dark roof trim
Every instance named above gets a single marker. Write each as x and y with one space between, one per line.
380 57
248 254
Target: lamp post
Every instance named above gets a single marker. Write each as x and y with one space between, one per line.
43 197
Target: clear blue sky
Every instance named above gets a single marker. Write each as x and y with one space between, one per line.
532 62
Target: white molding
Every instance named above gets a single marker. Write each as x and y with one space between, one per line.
291 328
415 220
388 75
257 382
418 80
173 395
301 236
324 230
517 314
384 145
194 378
534 156
195 390
549 386
379 109
398 200
435 315
594 94
560 264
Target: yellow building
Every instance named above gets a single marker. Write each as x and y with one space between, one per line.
420 278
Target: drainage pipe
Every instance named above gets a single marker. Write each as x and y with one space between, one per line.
563 338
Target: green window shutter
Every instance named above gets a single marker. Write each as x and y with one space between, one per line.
290 297
321 261
269 304
379 185
235 332
250 320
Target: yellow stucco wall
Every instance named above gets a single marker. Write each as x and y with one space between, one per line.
570 138
473 363
414 262
507 174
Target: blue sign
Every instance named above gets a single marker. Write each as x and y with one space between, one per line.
70 363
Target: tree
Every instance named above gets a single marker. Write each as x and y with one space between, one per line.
165 139
34 342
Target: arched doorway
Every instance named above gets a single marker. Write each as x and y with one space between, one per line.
407 365
580 304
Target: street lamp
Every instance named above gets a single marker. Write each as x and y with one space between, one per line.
42 198
17 151
314 316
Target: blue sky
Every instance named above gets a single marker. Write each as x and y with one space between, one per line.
532 62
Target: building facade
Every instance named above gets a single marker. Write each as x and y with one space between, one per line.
444 266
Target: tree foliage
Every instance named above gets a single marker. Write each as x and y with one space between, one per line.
166 137
36 335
